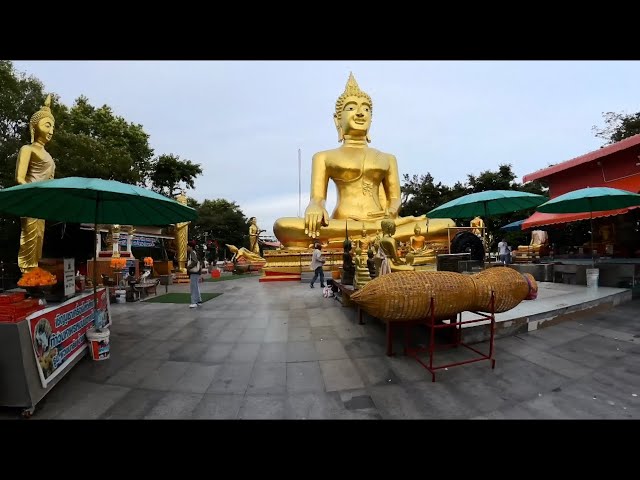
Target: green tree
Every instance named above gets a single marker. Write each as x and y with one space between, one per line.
503 179
94 142
222 221
618 126
169 174
20 97
420 194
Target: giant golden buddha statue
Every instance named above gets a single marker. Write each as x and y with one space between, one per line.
367 183
35 164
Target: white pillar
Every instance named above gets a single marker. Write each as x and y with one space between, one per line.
98 244
116 244
129 241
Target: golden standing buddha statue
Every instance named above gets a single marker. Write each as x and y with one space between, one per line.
254 233
35 164
182 236
367 183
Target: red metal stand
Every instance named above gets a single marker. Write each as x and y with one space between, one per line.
457 325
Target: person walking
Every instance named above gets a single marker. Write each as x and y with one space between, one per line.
194 267
503 252
317 262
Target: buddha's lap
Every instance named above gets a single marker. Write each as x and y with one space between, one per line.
295 223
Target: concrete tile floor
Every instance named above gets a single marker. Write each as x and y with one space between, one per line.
282 351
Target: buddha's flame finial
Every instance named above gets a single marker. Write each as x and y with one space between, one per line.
352 87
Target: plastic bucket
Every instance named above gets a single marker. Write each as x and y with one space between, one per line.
592 277
121 296
98 343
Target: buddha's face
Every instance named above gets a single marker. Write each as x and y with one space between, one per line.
356 116
253 221
417 230
44 129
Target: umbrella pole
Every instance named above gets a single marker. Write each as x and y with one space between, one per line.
485 243
593 261
95 265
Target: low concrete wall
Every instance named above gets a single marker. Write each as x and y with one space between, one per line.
481 333
542 272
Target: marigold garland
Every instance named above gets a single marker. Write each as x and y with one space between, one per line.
37 278
118 263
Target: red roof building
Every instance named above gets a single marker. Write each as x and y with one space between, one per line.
615 166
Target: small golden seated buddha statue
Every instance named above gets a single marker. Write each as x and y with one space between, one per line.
539 243
389 248
362 275
419 250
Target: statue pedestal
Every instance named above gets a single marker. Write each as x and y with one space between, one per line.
162 267
181 277
288 265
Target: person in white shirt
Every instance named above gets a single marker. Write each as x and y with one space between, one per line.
317 261
503 252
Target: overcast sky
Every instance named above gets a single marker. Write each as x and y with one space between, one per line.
244 121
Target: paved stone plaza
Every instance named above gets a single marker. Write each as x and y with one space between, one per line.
282 351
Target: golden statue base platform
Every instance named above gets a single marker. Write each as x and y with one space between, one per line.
180 277
288 265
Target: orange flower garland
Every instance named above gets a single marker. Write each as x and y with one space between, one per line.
118 263
148 262
37 278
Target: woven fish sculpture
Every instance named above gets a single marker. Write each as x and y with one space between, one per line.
406 296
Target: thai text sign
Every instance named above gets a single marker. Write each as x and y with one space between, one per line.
58 334
139 241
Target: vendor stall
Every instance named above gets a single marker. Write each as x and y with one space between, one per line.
39 350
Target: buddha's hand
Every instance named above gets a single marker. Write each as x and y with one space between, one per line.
315 216
380 214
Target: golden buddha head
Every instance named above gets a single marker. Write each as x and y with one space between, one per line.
417 230
43 122
353 111
181 198
388 226
253 220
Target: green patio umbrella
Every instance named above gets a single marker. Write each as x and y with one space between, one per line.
592 199
487 204
92 200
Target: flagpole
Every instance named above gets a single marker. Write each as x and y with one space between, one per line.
299 184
